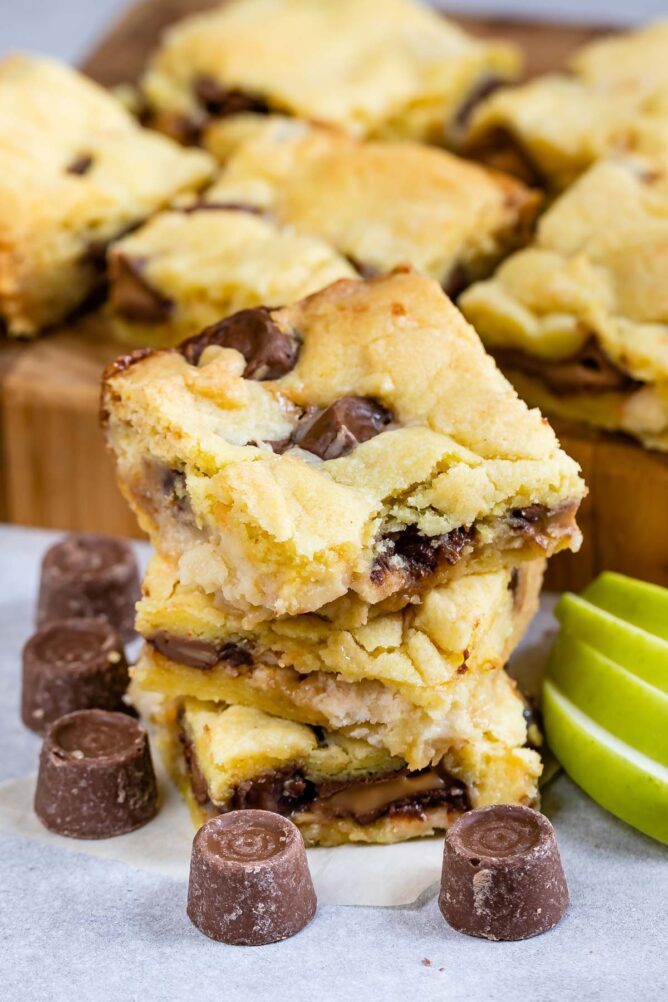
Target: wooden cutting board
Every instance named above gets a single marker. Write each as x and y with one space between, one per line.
54 470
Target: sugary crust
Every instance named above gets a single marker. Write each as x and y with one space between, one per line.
615 101
373 67
290 533
209 263
380 203
250 743
593 270
75 172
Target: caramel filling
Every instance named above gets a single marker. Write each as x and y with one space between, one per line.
288 792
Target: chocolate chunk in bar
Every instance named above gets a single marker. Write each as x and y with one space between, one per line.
484 88
249 879
87 575
221 102
80 165
419 555
199 653
132 296
96 776
269 353
72 664
502 876
336 430
588 371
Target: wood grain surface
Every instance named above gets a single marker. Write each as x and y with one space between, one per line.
54 468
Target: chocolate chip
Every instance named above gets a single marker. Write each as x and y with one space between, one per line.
422 555
132 296
457 280
588 371
80 165
202 206
485 86
363 268
336 430
283 791
221 102
269 353
201 654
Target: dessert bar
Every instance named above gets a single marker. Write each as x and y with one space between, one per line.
380 203
360 441
415 681
550 130
76 171
183 270
335 788
578 320
373 67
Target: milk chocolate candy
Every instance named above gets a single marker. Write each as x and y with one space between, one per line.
86 575
249 880
95 776
72 664
502 876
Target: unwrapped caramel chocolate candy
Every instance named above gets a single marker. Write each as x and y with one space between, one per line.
95 776
502 876
72 664
249 879
87 575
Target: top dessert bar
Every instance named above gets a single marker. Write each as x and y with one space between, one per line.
372 67
380 203
360 440
578 321
76 171
550 130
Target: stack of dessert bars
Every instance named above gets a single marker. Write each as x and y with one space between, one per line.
351 510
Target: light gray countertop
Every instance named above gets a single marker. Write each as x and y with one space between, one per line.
74 927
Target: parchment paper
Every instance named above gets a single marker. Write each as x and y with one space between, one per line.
378 876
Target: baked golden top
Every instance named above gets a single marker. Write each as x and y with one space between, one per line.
374 67
597 267
446 441
75 171
182 271
615 101
380 203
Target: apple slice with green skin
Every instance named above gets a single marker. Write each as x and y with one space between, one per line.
638 602
629 646
619 778
618 701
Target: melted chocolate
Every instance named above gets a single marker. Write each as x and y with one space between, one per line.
588 371
269 353
421 555
201 654
221 102
132 296
336 430
502 150
80 165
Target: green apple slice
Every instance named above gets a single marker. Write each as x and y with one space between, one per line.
638 602
627 783
629 646
618 701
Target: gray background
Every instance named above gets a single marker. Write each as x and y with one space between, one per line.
66 28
